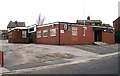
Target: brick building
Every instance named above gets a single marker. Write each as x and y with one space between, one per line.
3 34
18 35
116 25
63 33
73 33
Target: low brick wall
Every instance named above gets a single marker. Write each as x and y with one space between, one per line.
1 59
108 37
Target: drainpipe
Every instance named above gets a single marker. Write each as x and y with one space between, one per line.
59 33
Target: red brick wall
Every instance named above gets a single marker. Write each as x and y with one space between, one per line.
108 37
116 24
17 37
67 37
49 39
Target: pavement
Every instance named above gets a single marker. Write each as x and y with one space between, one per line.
29 57
3 70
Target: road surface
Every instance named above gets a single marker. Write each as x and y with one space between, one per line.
107 65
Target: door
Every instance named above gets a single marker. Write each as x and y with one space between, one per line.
98 35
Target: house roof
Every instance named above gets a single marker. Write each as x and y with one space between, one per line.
90 21
106 25
4 31
13 24
21 28
116 19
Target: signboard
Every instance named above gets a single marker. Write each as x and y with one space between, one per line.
85 28
61 31
65 26
108 30
95 28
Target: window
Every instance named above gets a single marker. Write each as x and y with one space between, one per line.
53 32
45 33
38 34
10 34
87 23
24 34
74 31
93 24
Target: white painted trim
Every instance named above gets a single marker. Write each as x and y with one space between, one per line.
49 24
17 28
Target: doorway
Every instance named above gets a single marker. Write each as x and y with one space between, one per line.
31 37
97 35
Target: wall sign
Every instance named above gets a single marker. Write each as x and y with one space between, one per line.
61 31
84 27
65 26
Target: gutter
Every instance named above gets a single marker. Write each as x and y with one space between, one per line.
59 33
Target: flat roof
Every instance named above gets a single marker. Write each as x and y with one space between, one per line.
77 24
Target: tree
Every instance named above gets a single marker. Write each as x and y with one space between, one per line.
40 20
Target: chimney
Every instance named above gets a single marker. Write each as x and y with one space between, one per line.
88 18
16 23
10 22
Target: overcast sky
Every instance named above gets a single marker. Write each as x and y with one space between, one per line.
57 10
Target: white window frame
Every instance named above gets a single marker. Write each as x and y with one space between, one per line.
53 32
74 31
45 31
10 34
24 34
38 34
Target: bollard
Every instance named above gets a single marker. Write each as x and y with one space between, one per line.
2 58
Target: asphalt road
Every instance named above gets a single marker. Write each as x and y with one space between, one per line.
99 49
107 65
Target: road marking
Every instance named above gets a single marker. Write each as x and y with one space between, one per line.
110 54
59 65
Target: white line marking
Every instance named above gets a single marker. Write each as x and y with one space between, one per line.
111 54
